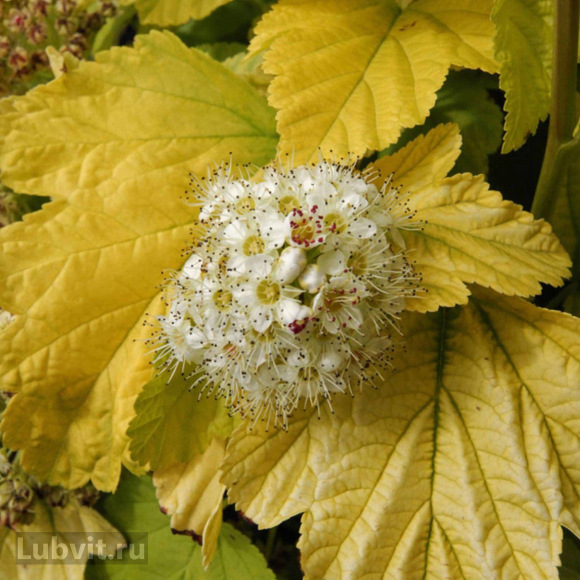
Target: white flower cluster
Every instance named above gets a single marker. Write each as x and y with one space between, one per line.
293 289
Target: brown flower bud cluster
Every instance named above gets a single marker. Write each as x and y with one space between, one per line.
28 27
20 492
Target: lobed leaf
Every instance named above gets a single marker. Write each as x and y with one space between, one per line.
523 48
237 558
462 464
136 117
470 233
351 74
113 141
134 507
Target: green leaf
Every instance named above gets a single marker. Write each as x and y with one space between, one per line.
362 70
238 558
134 508
464 99
523 48
113 141
172 424
463 464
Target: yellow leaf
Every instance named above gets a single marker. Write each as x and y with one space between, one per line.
150 113
463 464
470 233
117 139
351 74
192 495
59 522
60 62
173 12
425 161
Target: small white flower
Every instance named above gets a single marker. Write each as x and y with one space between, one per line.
265 297
292 290
192 268
338 305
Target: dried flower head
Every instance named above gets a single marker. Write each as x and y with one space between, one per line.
20 491
28 27
292 291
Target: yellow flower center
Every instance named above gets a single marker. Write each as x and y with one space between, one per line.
222 299
245 205
335 223
268 292
253 245
287 204
359 264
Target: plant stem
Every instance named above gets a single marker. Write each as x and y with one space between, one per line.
563 109
270 541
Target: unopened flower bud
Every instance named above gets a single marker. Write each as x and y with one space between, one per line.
331 361
290 264
312 278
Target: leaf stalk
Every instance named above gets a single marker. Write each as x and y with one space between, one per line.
563 110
